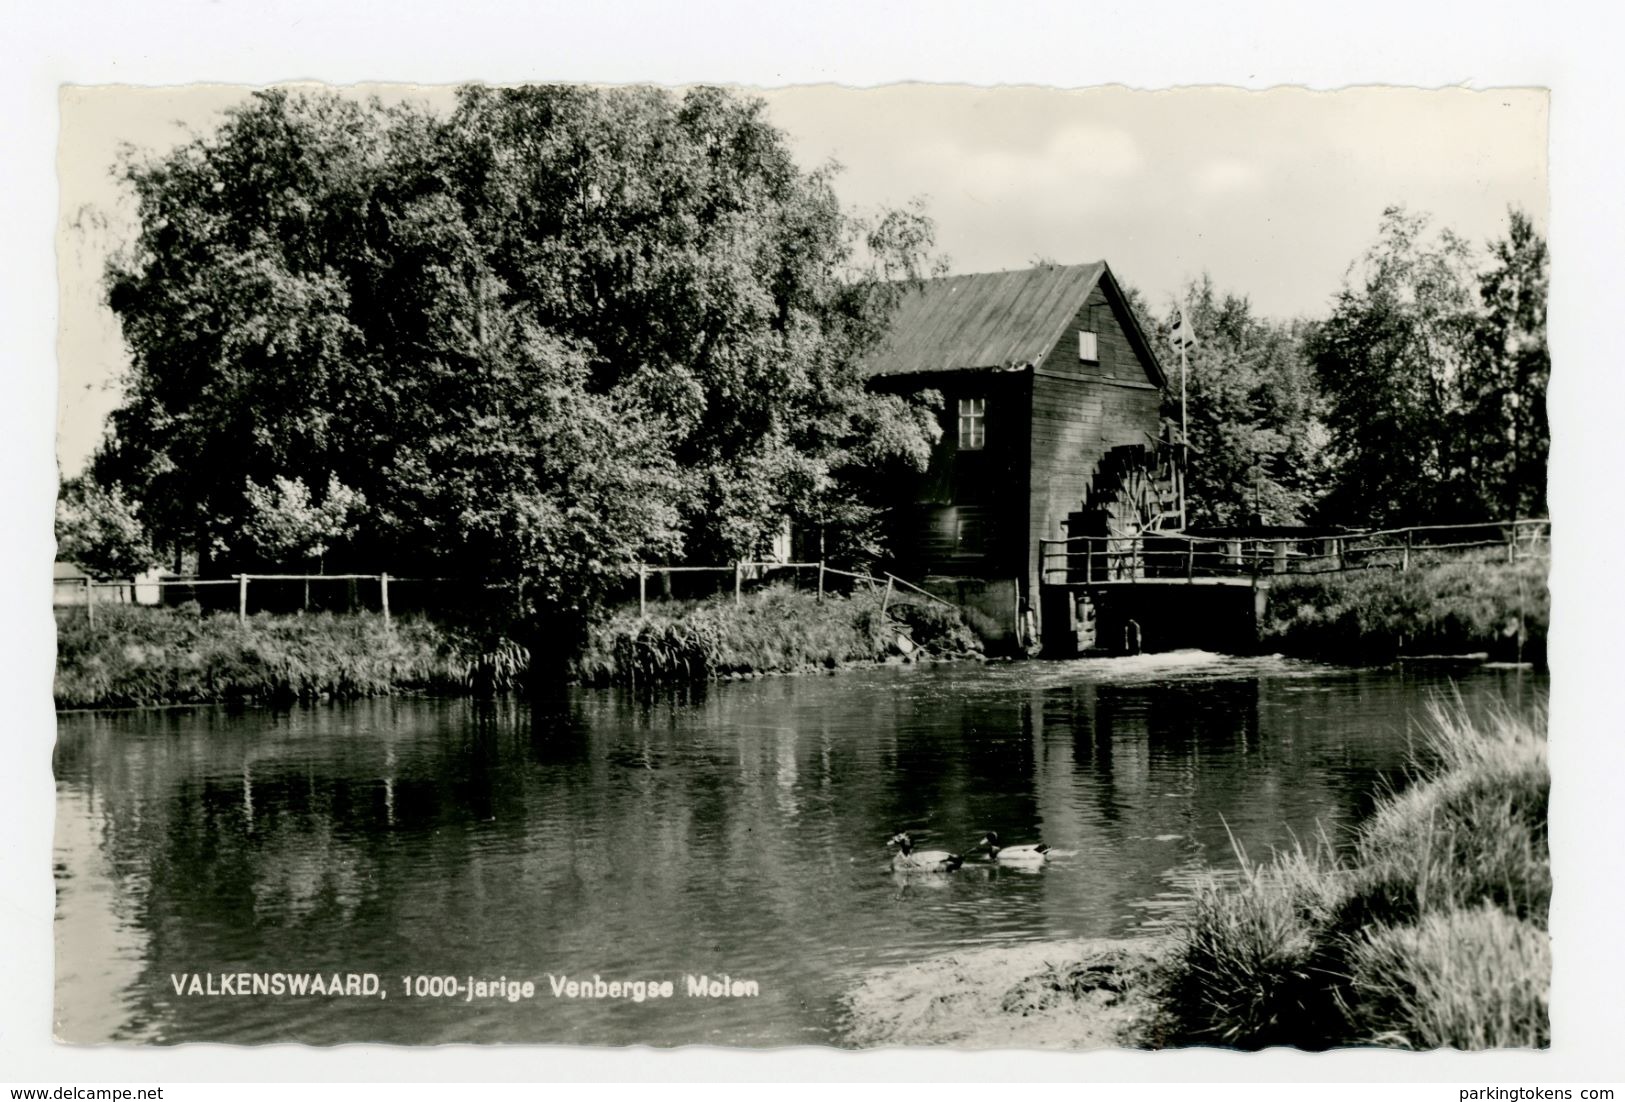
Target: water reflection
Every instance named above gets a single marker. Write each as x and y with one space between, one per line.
739 830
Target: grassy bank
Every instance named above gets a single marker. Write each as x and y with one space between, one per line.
1430 932
1465 606
136 655
778 630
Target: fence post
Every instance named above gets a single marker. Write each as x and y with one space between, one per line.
643 591
1190 560
242 598
383 595
1512 543
1405 559
739 575
820 580
886 600
90 604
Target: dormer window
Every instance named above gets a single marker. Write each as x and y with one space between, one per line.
1088 352
972 423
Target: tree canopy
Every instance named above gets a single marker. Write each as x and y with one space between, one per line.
1420 398
549 334
1434 374
1251 409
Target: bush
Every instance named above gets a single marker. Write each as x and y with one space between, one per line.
135 655
779 629
1466 605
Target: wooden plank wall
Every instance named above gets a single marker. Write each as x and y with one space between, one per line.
986 488
1080 411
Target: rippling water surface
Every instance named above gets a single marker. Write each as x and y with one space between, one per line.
740 831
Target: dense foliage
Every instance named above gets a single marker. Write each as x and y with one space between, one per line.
1455 605
557 331
1255 436
101 530
778 630
133 655
1420 397
1434 394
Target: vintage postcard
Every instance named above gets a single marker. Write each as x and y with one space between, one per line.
921 565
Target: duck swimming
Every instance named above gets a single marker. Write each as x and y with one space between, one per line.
908 859
1014 855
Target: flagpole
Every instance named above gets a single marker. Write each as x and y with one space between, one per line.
1184 425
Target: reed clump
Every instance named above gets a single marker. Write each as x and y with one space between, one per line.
1429 931
137 655
777 630
1465 605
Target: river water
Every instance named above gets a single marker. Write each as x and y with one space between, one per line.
740 831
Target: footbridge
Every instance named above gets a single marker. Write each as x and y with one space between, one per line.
1160 590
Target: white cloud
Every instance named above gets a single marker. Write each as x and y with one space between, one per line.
1100 151
1225 175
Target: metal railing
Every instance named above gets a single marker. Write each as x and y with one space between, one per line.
1176 556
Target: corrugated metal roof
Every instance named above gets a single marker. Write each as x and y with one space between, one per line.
978 322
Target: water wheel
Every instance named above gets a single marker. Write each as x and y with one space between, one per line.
1132 493
1141 503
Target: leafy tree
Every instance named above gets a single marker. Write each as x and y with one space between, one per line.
284 523
1251 411
101 531
555 332
1506 436
1390 361
238 307
712 277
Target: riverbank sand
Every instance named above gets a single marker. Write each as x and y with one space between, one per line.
1061 995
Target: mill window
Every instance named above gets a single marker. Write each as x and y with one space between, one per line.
972 423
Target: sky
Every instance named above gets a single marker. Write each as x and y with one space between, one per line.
1272 193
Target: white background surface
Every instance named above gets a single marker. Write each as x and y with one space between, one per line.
1064 44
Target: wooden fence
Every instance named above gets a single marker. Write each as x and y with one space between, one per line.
89 593
1173 556
742 571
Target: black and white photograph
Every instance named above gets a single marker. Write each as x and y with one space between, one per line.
926 565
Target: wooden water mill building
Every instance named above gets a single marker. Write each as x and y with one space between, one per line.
1051 427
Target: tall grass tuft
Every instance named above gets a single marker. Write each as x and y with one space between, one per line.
1251 972
1464 977
1429 930
1474 830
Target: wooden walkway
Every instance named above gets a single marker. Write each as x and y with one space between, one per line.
1175 558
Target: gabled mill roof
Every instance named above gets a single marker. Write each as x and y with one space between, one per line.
991 320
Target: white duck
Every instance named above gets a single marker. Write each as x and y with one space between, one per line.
1035 854
908 859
